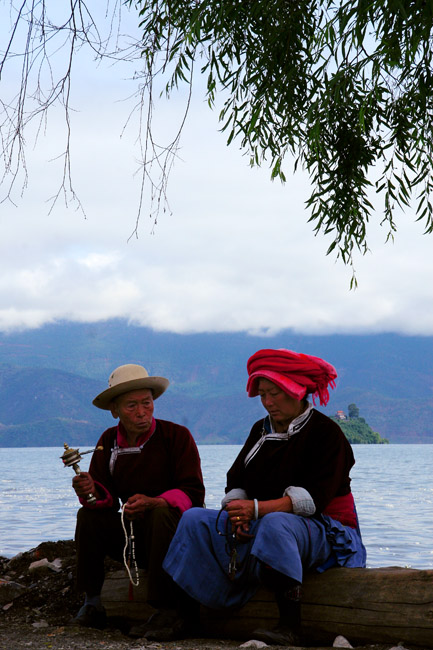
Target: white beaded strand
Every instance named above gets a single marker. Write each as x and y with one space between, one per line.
130 538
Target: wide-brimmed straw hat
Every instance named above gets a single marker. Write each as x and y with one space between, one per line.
126 378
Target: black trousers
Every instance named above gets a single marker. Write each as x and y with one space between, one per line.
99 533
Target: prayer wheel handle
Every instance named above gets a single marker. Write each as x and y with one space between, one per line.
71 458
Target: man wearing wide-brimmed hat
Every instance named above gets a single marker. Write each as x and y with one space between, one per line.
151 470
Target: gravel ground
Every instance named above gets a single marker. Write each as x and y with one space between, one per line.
36 605
18 636
21 635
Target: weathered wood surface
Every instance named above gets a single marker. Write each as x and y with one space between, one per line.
120 598
389 605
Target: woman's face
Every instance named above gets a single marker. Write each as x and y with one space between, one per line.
281 407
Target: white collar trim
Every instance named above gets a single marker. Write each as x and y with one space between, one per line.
296 425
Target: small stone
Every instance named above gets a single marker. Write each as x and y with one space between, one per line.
55 565
9 591
341 642
40 624
44 565
14 559
38 565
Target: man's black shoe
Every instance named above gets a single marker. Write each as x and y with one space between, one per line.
91 616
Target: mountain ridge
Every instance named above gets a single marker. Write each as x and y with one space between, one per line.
49 376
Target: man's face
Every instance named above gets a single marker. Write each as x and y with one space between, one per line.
134 410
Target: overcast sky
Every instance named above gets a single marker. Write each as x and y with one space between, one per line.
235 254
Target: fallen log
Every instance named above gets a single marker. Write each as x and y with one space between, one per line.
387 605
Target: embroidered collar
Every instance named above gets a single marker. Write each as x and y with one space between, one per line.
121 447
268 432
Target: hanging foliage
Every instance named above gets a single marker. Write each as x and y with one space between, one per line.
343 87
342 90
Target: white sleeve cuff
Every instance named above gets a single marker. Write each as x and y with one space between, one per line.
236 493
302 501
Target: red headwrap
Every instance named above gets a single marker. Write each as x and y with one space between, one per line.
296 374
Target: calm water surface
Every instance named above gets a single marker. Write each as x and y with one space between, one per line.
392 485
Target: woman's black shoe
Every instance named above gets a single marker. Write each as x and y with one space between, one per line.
279 635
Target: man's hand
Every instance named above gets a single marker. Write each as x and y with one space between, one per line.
138 504
83 485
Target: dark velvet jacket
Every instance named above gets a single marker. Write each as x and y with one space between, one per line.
318 458
168 460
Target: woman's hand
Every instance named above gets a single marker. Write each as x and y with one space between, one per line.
240 511
242 532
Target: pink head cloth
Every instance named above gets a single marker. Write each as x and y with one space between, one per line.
296 374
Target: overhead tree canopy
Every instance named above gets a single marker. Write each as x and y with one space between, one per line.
341 89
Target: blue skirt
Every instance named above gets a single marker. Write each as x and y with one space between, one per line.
199 555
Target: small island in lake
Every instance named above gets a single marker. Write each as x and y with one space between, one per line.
356 429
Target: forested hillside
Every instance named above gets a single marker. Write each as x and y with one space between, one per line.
49 376
356 429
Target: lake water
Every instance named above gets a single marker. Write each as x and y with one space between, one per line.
392 485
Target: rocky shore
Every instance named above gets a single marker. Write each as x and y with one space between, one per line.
38 599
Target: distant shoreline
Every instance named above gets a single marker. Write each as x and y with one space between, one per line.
224 444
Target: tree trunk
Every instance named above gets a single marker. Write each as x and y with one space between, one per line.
388 605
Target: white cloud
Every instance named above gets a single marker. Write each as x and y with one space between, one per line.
236 254
98 262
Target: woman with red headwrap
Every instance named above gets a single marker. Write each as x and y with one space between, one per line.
288 506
